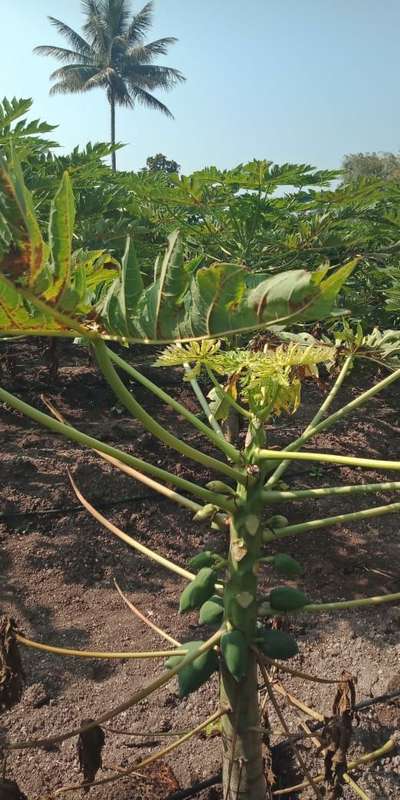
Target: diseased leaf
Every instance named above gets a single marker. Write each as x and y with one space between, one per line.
61 228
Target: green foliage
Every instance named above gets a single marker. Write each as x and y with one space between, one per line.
192 676
183 301
235 649
20 134
371 165
284 598
160 163
277 644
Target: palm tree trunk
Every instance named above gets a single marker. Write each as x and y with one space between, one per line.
113 154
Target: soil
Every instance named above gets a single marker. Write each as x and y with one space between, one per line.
57 566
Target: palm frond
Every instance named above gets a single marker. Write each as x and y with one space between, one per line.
116 14
61 54
147 99
95 26
152 76
119 91
72 78
144 54
78 42
140 24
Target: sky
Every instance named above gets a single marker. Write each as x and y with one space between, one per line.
303 81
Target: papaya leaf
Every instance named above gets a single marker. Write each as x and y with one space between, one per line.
61 227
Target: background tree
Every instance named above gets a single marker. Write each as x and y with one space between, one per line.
160 163
113 56
385 166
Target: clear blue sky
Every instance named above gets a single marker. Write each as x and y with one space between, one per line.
287 80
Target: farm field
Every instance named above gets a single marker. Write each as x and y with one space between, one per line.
58 566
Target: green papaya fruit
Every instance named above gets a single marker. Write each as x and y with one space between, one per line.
204 513
277 521
287 599
277 644
222 488
198 672
204 559
212 611
235 651
286 565
198 590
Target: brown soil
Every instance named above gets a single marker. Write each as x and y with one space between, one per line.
57 566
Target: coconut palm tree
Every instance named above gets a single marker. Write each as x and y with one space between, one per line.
113 55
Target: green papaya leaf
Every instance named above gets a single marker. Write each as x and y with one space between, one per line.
183 302
61 228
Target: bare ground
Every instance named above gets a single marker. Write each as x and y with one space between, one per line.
57 566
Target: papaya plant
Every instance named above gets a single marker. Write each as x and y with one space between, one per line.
192 312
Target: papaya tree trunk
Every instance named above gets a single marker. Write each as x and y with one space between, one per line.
242 740
113 154
243 771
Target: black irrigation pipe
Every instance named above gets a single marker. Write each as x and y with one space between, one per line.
76 509
191 791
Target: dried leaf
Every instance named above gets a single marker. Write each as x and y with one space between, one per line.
11 670
336 736
90 745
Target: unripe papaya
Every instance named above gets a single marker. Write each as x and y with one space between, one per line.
286 565
198 590
220 487
277 521
204 559
212 611
277 644
204 513
287 599
195 674
235 651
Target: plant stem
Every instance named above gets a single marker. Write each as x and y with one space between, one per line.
352 489
149 423
243 772
95 444
326 458
326 522
378 600
313 429
112 110
134 699
143 618
150 482
280 469
216 436
141 548
331 395
68 651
